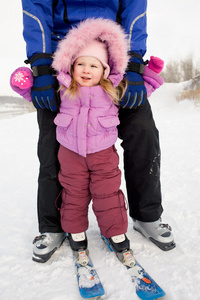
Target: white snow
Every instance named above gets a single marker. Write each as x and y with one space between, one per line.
173 33
177 271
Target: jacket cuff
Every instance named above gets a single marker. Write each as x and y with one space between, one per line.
64 79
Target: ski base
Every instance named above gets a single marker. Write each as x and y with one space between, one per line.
146 287
89 283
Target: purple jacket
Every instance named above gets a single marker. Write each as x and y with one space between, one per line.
87 124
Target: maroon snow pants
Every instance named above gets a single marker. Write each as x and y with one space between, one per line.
97 178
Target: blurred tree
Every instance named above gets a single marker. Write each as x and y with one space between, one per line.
182 70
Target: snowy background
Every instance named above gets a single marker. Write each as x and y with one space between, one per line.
173 32
173 28
177 271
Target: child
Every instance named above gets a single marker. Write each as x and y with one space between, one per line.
90 62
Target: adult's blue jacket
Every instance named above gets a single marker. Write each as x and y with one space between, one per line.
47 21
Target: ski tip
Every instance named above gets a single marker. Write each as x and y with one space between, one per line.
156 294
92 294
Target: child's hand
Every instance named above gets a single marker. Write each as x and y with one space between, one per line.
152 79
21 81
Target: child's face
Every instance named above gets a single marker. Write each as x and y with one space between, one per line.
87 70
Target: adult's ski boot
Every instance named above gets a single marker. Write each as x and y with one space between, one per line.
46 244
159 233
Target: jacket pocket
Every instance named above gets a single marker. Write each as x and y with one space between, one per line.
63 120
108 123
65 129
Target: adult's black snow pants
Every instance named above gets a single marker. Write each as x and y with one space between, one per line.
49 187
141 163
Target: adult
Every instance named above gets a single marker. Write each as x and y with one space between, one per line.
45 24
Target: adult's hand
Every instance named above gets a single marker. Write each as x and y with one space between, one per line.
44 91
136 93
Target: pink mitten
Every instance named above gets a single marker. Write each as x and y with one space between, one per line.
152 79
156 64
21 81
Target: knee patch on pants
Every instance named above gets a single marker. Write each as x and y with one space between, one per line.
111 213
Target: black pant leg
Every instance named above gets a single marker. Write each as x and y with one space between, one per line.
48 185
141 162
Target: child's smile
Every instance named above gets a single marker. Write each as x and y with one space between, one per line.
88 70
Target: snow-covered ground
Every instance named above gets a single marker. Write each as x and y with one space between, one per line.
9 110
177 271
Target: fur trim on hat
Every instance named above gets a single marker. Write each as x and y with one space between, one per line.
93 29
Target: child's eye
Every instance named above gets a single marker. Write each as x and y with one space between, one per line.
93 66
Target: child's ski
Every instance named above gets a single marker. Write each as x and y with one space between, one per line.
89 283
146 287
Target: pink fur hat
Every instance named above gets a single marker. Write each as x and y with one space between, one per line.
80 37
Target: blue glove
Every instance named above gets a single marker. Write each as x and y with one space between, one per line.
136 93
44 91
